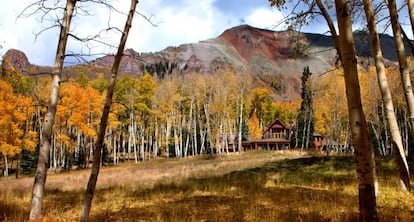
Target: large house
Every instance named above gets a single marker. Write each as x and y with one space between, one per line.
274 137
278 137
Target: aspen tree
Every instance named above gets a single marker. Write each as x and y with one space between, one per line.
386 97
364 153
90 189
45 139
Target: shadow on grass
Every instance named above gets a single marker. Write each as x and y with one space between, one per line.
11 212
306 189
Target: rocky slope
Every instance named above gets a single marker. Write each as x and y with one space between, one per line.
275 59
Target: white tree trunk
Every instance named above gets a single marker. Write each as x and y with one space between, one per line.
386 97
90 189
364 154
239 144
167 138
141 150
402 60
6 170
43 160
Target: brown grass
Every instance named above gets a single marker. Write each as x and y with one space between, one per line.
257 186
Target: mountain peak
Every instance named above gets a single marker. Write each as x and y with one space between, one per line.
15 59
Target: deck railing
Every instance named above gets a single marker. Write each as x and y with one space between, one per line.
276 136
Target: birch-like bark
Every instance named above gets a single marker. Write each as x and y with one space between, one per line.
142 147
176 144
239 138
156 141
195 141
6 171
386 97
90 189
364 153
167 138
123 146
46 133
402 60
208 128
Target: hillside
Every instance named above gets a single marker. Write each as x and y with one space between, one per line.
274 59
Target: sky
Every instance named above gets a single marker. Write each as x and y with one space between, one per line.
174 22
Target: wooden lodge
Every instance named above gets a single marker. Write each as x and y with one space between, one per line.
274 137
278 137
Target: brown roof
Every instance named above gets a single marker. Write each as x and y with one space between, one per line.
276 122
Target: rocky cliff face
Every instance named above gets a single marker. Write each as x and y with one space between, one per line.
15 59
274 59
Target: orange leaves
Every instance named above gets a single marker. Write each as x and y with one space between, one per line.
14 112
254 126
287 111
79 107
329 103
64 139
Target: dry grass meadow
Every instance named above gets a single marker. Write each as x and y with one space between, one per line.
252 186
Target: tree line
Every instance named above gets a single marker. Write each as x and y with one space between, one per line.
180 116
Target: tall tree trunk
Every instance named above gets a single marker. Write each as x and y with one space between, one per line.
6 170
195 141
104 119
156 141
208 128
239 138
142 147
402 60
167 138
386 97
46 133
364 154
114 146
123 146
176 143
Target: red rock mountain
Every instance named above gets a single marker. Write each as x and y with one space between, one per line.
15 59
274 59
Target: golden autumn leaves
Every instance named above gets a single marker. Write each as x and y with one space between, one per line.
15 114
80 105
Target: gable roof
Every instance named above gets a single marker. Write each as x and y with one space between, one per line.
274 125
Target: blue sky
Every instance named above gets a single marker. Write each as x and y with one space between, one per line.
178 22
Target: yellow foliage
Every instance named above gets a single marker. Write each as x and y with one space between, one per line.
64 139
330 105
254 126
79 107
14 112
30 140
287 111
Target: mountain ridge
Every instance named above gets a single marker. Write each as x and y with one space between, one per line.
275 59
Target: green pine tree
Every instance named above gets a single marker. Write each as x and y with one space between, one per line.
303 137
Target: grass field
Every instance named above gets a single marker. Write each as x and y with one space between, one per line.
256 186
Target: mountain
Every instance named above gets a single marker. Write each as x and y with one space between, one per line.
275 59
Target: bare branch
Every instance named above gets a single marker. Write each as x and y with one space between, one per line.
148 19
